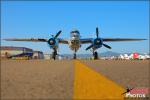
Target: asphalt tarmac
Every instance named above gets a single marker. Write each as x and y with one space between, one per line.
36 79
127 73
44 79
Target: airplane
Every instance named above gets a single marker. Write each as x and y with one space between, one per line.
75 42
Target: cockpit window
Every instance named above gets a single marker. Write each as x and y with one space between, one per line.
75 33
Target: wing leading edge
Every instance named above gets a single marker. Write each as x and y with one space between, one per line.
28 40
90 40
37 40
83 41
63 41
86 40
121 39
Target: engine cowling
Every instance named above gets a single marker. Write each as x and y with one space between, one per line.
53 43
97 43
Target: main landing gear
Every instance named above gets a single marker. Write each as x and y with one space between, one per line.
54 53
95 55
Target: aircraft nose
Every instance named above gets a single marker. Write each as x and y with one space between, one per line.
74 38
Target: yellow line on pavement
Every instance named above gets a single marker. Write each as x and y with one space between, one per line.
89 84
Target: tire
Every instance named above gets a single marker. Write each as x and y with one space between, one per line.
95 55
74 57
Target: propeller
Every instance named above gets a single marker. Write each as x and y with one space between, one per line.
97 38
97 32
107 46
89 47
53 40
58 33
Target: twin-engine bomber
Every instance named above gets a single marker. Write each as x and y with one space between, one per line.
75 42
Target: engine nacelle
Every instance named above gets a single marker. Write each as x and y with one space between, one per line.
53 43
97 43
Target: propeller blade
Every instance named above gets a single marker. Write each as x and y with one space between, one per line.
57 34
97 32
107 46
89 47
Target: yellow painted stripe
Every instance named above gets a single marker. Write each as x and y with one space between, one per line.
89 84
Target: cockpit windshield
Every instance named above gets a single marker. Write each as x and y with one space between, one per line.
75 33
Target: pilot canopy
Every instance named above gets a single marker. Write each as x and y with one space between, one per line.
75 33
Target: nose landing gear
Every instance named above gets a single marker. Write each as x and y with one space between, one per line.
74 56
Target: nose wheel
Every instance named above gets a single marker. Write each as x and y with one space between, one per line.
74 56
95 54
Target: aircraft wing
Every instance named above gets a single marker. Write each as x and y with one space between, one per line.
86 40
120 39
28 40
63 41
37 40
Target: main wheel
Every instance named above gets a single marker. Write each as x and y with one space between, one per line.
95 55
54 54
